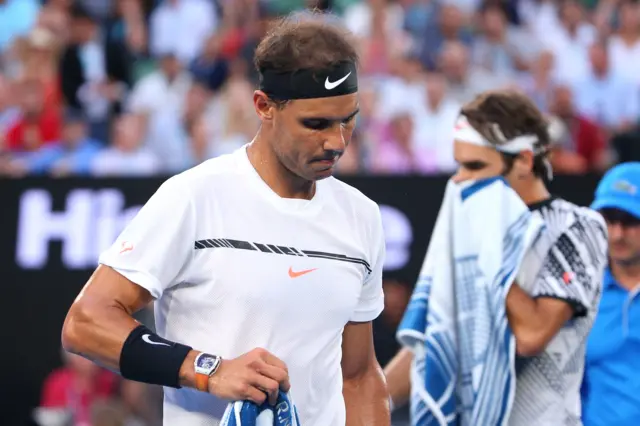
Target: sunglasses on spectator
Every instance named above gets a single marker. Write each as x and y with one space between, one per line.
615 216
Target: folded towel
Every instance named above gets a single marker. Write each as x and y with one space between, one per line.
456 325
247 413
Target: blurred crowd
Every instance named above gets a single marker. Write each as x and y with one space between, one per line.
152 87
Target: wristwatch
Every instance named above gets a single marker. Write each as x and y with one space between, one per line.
205 365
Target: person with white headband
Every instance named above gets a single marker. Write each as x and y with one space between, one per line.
552 304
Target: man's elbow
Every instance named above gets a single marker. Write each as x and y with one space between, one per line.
370 376
75 327
530 343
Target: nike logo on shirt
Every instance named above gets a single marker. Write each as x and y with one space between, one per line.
145 337
332 85
294 274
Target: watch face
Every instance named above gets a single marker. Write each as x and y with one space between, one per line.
206 363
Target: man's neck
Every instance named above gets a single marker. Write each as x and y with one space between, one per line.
532 190
280 179
627 275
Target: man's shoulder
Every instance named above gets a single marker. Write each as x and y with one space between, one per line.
209 172
562 215
350 196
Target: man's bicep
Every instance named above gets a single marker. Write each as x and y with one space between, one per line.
358 353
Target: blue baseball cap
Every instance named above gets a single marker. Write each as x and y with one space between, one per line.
620 189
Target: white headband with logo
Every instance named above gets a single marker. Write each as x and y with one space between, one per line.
464 132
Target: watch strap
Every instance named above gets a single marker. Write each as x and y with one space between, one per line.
202 382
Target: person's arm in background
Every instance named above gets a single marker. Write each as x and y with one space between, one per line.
563 289
398 374
364 389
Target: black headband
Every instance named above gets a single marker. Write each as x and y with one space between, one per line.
341 79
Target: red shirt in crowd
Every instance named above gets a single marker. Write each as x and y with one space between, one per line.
29 136
59 392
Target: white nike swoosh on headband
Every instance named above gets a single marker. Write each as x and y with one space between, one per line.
145 337
332 85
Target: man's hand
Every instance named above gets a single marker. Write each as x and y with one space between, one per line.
249 376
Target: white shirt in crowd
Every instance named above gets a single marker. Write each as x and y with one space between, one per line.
182 26
625 59
609 101
234 266
113 162
434 133
155 94
571 53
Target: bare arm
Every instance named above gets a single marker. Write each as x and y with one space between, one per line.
398 373
535 322
100 319
364 389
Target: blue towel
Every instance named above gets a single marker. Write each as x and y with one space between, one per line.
247 413
463 371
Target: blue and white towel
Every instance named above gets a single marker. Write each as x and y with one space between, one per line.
247 413
463 371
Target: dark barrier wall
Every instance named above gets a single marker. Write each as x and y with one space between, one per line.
51 233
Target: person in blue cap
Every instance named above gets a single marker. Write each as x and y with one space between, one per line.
611 384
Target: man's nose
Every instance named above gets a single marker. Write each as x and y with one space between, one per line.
336 140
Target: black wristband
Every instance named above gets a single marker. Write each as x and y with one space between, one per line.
148 358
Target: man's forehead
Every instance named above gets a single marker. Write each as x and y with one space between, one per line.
465 152
335 106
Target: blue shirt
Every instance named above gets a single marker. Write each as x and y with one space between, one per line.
611 384
78 159
16 19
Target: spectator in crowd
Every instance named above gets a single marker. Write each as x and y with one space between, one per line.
210 66
162 89
579 144
464 79
611 384
37 125
69 392
182 26
126 26
502 49
395 152
181 140
450 27
96 73
605 96
624 46
72 155
126 156
434 125
569 41
538 84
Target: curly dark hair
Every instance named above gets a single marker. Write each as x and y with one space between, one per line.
304 41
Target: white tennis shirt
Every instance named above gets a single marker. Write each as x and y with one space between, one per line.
233 266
